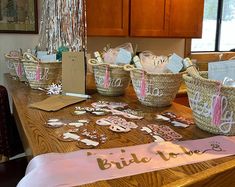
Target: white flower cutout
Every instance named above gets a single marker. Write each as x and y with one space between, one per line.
54 89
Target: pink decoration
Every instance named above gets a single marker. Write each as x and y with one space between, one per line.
37 76
116 124
110 105
107 77
217 107
125 114
142 86
91 165
19 70
164 132
109 57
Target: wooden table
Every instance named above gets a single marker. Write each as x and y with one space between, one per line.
38 139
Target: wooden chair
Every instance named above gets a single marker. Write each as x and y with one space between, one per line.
10 145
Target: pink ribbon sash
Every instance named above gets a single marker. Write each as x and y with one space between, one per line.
88 166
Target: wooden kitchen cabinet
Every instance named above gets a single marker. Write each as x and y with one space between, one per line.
148 18
107 17
166 18
152 18
186 18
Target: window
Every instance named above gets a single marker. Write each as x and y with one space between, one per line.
218 32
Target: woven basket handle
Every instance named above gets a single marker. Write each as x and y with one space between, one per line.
12 57
93 62
129 67
30 57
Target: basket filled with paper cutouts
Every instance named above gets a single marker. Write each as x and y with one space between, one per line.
15 65
11 58
155 90
212 103
110 79
108 68
41 74
154 85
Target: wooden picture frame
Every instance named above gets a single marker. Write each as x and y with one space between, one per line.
18 16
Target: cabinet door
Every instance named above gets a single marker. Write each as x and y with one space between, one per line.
107 17
149 18
186 18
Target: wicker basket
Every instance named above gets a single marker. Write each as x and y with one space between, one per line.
50 72
161 89
18 67
201 92
119 79
10 64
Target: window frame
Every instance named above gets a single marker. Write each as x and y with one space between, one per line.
217 34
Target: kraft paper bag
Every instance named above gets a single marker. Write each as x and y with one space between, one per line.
73 72
56 102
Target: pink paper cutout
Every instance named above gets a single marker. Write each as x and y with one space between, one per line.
116 124
165 132
110 105
112 108
125 114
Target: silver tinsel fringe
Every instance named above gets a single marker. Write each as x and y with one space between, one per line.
63 23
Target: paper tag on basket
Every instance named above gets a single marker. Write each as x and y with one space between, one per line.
41 53
73 72
123 57
220 70
48 58
175 64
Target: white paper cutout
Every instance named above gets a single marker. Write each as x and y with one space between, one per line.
55 124
54 89
79 112
162 117
146 129
68 135
158 138
89 142
178 124
53 120
76 124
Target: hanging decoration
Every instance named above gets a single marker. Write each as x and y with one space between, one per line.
63 24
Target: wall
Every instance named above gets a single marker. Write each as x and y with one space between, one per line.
160 46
